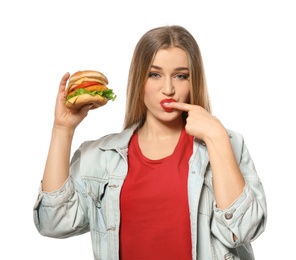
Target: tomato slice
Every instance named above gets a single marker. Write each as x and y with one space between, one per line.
86 84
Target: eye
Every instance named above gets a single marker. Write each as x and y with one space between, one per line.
182 76
153 75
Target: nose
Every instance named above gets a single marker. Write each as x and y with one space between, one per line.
168 88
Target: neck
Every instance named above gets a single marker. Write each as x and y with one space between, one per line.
160 131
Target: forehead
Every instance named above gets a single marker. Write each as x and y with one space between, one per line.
171 57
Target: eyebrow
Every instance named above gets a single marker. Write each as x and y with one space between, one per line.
177 69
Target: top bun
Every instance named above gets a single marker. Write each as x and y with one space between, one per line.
87 75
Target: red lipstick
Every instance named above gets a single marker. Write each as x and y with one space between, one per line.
164 101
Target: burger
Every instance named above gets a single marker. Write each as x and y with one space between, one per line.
88 87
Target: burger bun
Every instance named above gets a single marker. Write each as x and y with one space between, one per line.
76 102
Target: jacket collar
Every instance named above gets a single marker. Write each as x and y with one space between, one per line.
118 140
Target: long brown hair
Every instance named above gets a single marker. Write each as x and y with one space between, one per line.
144 53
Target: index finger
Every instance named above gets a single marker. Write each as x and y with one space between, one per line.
180 106
62 87
63 81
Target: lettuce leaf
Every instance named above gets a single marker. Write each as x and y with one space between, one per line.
107 93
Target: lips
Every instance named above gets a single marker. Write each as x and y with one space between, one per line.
164 101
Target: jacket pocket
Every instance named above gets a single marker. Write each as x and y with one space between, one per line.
96 192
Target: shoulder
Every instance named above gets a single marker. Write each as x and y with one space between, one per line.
92 158
111 141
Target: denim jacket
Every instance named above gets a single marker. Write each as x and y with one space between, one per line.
89 201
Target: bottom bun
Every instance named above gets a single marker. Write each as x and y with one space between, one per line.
85 99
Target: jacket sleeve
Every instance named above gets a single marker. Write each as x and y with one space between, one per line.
62 213
246 217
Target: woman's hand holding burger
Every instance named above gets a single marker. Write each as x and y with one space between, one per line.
85 90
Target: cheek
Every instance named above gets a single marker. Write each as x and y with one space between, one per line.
149 100
149 95
185 94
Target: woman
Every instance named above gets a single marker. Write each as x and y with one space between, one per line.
174 184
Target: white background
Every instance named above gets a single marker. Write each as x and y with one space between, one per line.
249 56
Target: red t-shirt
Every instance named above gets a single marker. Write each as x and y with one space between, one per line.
154 207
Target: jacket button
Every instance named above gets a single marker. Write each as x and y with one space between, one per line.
228 215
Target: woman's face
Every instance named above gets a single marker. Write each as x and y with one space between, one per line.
168 81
